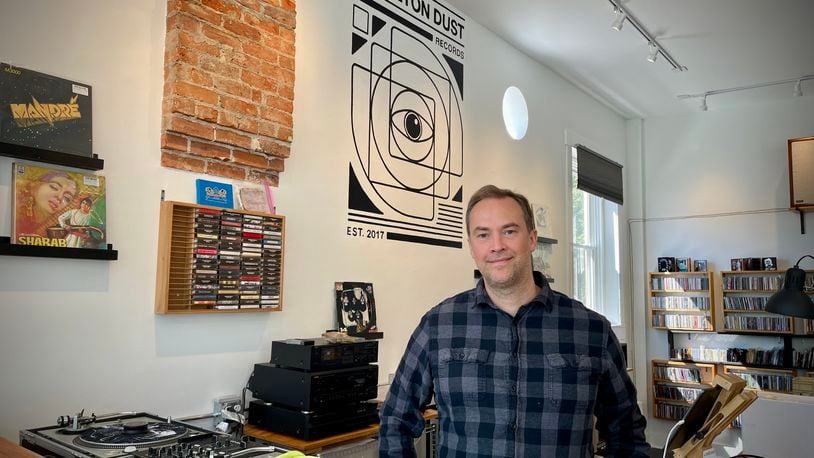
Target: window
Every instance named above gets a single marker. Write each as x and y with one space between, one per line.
595 276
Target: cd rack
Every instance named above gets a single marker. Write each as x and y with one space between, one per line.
216 260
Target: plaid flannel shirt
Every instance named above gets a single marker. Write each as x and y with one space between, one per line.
518 386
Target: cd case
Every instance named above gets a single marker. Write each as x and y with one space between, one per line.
214 193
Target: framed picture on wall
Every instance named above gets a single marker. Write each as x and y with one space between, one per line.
541 257
542 219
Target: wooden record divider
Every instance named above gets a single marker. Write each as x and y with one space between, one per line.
174 274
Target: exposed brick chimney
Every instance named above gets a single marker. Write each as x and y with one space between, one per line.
229 87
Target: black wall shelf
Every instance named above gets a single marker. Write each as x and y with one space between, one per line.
51 157
546 240
11 249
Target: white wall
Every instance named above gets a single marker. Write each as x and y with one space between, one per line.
80 334
715 187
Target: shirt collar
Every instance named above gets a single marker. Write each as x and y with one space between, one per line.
543 297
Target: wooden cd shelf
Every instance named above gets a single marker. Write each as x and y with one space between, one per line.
213 260
681 301
676 385
745 295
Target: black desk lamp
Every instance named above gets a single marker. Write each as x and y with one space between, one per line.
791 300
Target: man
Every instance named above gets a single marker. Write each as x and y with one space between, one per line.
74 222
517 370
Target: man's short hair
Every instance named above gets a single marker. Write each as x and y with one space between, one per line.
87 200
493 192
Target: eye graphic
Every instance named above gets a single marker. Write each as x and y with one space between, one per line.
412 125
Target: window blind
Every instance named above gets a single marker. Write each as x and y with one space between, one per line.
599 175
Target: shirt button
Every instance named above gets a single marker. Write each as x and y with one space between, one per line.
514 387
514 355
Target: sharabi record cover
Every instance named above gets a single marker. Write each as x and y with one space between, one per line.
58 208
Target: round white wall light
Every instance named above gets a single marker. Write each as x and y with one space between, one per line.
515 113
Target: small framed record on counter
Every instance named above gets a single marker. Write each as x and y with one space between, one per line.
218 260
356 309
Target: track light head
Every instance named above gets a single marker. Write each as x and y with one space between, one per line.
704 103
798 90
619 21
654 53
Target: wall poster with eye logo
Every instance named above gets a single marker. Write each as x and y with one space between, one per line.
406 170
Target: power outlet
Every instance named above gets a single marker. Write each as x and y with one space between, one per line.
229 403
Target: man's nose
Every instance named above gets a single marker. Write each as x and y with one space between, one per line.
497 244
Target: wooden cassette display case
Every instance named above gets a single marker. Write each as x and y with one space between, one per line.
195 275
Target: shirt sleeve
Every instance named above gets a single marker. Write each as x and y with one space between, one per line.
65 218
401 415
619 421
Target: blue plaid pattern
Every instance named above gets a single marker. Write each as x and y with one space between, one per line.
523 386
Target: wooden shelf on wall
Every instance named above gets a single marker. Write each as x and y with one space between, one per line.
776 380
683 380
745 294
673 299
11 249
51 157
180 231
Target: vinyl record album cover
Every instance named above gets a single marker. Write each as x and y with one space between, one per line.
253 199
57 207
356 307
667 264
45 112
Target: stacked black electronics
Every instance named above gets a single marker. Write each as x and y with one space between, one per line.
314 388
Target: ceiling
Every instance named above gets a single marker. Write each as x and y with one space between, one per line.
723 44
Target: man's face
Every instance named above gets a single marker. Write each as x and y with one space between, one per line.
500 243
84 207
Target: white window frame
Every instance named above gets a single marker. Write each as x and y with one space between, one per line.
602 259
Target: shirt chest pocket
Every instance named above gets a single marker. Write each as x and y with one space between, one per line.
463 375
571 380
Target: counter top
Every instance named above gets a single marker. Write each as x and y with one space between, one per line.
316 446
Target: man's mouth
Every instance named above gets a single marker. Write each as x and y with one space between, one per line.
499 261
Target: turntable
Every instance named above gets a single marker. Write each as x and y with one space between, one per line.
136 435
